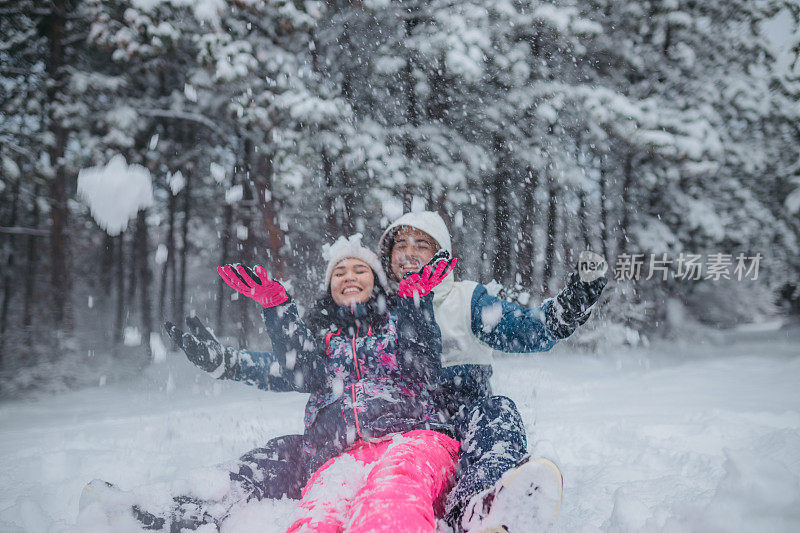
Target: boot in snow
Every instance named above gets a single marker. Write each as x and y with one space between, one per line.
527 498
186 514
116 503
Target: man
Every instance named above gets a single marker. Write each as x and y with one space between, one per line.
473 324
493 468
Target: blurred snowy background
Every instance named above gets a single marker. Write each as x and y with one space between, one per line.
145 142
217 131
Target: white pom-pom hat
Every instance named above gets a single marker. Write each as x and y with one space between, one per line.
351 247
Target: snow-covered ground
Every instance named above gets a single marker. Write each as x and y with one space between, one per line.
676 437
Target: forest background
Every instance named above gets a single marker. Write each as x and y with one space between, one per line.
662 129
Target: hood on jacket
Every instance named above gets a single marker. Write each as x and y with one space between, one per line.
431 223
427 221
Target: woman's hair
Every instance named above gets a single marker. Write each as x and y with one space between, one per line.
321 317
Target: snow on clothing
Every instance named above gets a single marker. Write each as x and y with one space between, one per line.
493 441
273 471
375 379
473 323
386 486
372 377
465 389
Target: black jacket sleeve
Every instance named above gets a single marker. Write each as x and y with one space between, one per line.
295 348
419 353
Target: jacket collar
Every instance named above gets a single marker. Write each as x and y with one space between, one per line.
443 289
360 315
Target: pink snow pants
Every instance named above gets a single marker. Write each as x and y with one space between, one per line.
387 486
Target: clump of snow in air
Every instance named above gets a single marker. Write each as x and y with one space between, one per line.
10 168
494 287
132 336
157 347
217 172
234 194
190 92
417 204
793 200
392 208
162 254
115 192
176 182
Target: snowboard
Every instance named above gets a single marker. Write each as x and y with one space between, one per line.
526 499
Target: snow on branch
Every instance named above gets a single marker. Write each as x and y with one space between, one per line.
182 115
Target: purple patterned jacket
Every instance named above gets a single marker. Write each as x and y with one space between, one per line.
374 376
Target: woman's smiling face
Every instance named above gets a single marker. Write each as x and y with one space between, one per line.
352 282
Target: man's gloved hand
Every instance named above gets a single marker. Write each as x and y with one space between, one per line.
422 284
204 350
255 284
572 306
438 256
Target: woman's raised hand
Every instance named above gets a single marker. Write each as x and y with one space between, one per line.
255 284
423 283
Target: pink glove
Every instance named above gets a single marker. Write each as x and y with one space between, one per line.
257 286
422 284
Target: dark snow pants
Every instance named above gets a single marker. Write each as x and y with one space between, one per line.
272 471
491 433
493 441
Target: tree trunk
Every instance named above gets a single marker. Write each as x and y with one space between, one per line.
133 272
331 223
119 323
187 203
107 264
528 239
268 209
174 284
225 243
9 270
501 265
412 119
584 223
604 220
550 250
627 190
245 253
31 266
484 209
169 263
145 277
58 185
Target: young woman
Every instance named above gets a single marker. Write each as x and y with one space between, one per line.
380 454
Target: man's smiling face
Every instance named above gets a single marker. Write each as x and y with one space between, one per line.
412 249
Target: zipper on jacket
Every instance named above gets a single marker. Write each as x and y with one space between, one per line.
353 386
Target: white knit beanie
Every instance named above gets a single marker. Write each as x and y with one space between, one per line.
428 221
346 247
